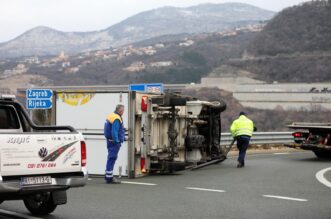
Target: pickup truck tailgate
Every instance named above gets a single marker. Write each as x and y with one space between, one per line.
32 154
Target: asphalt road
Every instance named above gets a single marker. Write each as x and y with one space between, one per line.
270 186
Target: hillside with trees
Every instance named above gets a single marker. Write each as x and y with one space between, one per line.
187 63
298 29
294 46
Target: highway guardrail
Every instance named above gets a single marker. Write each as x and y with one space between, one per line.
226 138
262 138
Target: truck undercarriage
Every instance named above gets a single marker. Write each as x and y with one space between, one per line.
176 131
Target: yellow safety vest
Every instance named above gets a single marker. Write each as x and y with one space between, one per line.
242 126
113 116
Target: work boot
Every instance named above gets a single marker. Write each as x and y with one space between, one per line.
240 165
113 181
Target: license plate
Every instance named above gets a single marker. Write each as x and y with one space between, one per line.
36 180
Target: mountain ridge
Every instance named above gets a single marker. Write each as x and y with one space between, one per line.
43 40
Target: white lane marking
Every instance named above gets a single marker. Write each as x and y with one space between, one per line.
16 215
202 189
89 179
139 183
320 177
285 198
281 153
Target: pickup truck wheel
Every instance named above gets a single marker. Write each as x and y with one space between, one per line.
40 205
322 154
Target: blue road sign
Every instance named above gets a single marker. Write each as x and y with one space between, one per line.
39 93
137 87
148 88
38 103
39 98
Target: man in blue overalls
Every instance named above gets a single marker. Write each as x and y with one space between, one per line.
114 133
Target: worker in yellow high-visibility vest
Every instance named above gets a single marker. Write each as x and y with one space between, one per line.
242 130
115 135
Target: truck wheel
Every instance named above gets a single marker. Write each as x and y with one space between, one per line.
322 154
219 106
41 204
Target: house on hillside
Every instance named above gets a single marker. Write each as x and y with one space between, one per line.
135 67
187 43
161 64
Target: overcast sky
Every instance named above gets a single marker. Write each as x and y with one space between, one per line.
18 16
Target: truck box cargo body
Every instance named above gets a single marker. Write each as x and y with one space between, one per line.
38 163
87 112
165 132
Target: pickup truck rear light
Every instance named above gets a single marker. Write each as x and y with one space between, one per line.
297 134
83 153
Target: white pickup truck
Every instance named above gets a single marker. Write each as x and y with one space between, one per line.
38 163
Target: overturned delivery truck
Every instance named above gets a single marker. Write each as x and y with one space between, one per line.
165 132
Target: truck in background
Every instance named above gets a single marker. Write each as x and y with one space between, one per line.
315 137
38 164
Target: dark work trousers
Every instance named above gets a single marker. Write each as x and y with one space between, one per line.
242 145
113 150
